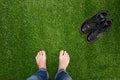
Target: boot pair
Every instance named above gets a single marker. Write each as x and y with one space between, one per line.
96 25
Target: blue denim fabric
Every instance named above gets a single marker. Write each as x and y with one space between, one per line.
62 75
42 74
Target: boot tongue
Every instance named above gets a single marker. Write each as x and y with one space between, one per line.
101 18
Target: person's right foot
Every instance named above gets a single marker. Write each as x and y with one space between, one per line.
63 60
92 23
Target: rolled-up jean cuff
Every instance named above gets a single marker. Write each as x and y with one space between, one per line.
59 72
42 69
39 75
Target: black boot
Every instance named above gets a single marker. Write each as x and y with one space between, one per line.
91 23
104 26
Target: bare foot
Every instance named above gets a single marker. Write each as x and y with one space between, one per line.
41 59
63 60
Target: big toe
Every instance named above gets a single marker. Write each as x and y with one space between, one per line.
43 53
61 52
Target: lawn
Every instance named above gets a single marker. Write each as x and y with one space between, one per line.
27 26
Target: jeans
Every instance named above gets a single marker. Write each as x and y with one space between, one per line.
42 74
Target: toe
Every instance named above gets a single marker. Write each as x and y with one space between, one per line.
43 53
38 54
65 53
68 57
36 57
61 52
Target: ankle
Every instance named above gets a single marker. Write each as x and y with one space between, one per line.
61 69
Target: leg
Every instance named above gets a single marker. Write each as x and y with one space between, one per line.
63 63
42 74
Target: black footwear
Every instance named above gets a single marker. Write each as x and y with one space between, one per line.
104 26
91 23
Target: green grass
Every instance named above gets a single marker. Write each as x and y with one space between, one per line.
27 26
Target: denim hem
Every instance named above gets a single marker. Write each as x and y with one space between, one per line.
42 69
60 72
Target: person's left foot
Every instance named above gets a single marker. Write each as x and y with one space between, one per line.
41 59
